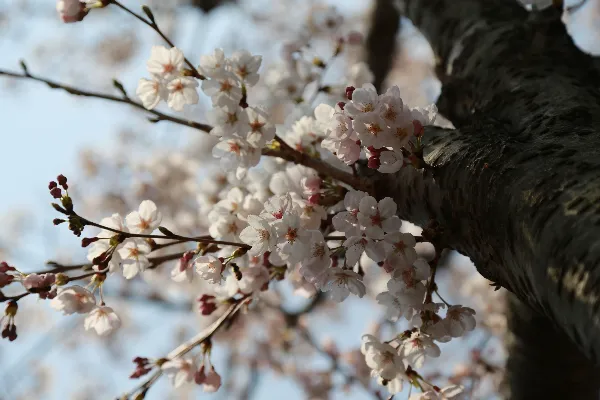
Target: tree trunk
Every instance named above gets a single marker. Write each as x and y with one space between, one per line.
517 185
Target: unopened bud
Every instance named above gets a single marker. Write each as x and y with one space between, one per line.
61 279
56 192
240 251
52 185
349 91
374 162
11 309
62 181
85 242
341 105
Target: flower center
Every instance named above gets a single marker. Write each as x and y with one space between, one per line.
291 235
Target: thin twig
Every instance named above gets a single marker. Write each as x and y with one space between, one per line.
125 100
152 24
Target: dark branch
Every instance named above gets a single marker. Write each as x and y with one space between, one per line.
381 40
517 187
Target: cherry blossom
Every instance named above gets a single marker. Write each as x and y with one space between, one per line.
183 271
384 362
415 348
357 245
291 237
341 282
347 221
182 91
259 234
151 92
146 219
378 218
212 382
209 268
459 320
227 228
276 206
134 256
213 65
228 120
179 371
365 102
245 66
253 279
402 245
103 320
223 90
314 267
73 300
391 161
38 281
165 63
260 130
70 10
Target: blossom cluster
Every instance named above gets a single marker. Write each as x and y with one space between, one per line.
108 253
381 125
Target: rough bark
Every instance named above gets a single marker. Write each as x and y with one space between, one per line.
517 185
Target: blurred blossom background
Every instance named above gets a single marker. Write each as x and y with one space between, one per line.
114 158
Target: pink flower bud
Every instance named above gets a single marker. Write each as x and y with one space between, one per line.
349 91
374 162
56 193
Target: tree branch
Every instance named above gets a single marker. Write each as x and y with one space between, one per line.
517 187
381 40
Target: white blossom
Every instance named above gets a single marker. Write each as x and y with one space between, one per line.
214 65
253 279
165 63
402 245
390 161
384 362
276 207
103 320
356 245
347 221
209 268
341 282
228 121
145 220
223 90
291 237
134 256
227 228
151 92
259 129
73 299
378 218
245 66
259 234
182 91
70 10
415 348
179 371
459 320
365 102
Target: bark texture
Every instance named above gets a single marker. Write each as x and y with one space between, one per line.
517 184
381 41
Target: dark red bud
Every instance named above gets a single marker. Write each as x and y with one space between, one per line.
85 242
419 130
56 193
62 180
314 198
349 91
52 185
374 162
58 221
341 105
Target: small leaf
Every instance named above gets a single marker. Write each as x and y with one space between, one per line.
148 13
119 86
